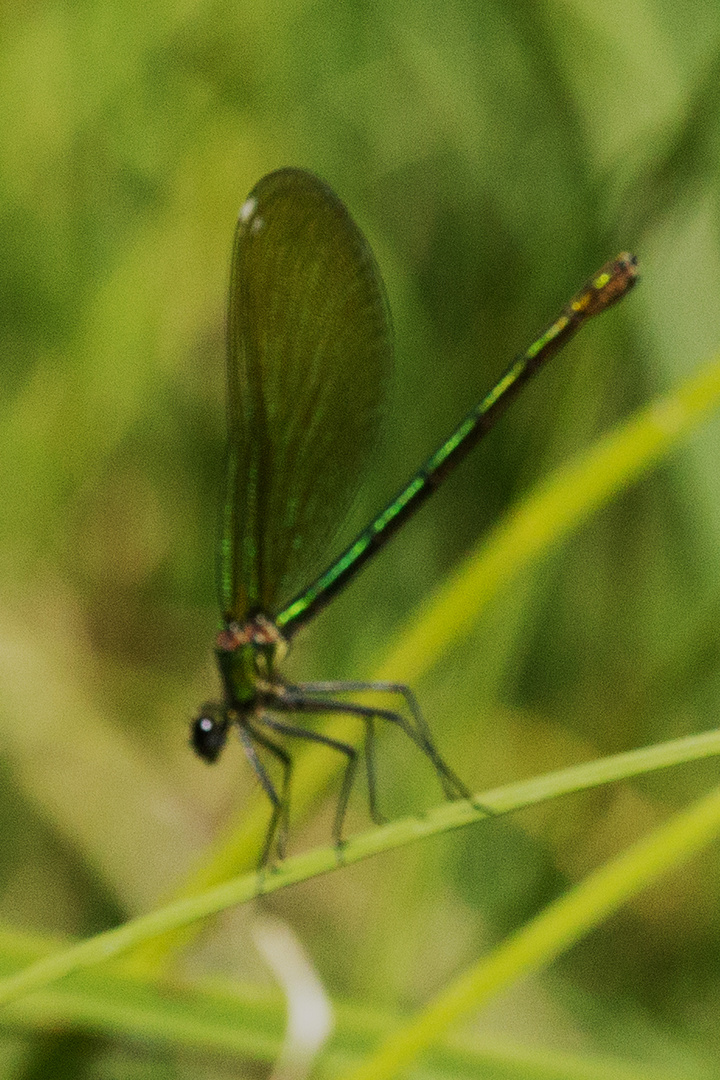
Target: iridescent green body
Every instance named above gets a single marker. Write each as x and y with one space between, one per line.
604 289
309 347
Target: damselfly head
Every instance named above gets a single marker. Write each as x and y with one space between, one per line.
208 732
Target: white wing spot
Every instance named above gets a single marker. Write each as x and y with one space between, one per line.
247 210
257 225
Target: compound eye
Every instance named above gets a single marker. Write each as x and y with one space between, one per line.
208 734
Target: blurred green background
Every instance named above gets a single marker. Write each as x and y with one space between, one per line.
495 154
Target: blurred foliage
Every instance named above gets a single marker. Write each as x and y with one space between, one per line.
495 154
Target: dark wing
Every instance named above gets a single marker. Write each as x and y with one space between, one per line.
309 350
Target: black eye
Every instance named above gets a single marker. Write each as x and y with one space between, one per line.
208 734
